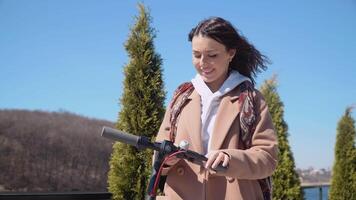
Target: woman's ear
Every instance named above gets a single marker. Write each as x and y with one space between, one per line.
232 53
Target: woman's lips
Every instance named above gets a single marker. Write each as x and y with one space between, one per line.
207 71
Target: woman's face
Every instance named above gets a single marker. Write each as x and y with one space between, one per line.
211 60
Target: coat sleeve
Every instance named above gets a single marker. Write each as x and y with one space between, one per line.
260 160
163 134
164 130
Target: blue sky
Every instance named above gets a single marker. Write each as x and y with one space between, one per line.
69 55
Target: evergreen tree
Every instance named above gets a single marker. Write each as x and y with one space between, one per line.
286 183
142 109
343 182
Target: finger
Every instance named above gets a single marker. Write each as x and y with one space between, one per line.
211 159
212 171
218 160
226 160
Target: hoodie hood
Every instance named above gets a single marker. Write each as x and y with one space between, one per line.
234 79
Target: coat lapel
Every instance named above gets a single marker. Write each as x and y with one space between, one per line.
227 112
194 121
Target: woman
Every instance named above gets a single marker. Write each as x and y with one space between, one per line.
216 120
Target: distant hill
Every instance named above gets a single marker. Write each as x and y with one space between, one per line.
52 151
316 176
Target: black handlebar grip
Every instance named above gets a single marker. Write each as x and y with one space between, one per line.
220 168
120 136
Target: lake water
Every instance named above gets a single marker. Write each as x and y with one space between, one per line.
313 193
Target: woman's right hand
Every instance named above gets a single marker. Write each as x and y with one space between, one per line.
215 158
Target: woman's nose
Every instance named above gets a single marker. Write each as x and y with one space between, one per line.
202 60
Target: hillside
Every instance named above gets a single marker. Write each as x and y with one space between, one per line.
52 151
315 176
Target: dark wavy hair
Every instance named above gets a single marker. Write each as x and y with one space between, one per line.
248 61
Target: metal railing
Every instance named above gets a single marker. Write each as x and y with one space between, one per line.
102 195
56 196
320 186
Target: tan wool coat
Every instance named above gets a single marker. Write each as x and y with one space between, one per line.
187 180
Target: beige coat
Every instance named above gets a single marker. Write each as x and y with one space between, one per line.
187 181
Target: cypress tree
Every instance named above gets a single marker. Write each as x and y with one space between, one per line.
142 109
343 181
286 183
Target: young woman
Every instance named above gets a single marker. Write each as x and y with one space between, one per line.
224 118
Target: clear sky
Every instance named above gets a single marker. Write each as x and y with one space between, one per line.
69 55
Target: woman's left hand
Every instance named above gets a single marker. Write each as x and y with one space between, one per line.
215 158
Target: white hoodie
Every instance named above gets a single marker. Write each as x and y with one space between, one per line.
210 102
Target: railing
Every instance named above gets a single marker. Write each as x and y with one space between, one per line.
56 196
102 195
316 185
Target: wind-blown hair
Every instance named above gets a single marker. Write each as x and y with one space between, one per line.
248 61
